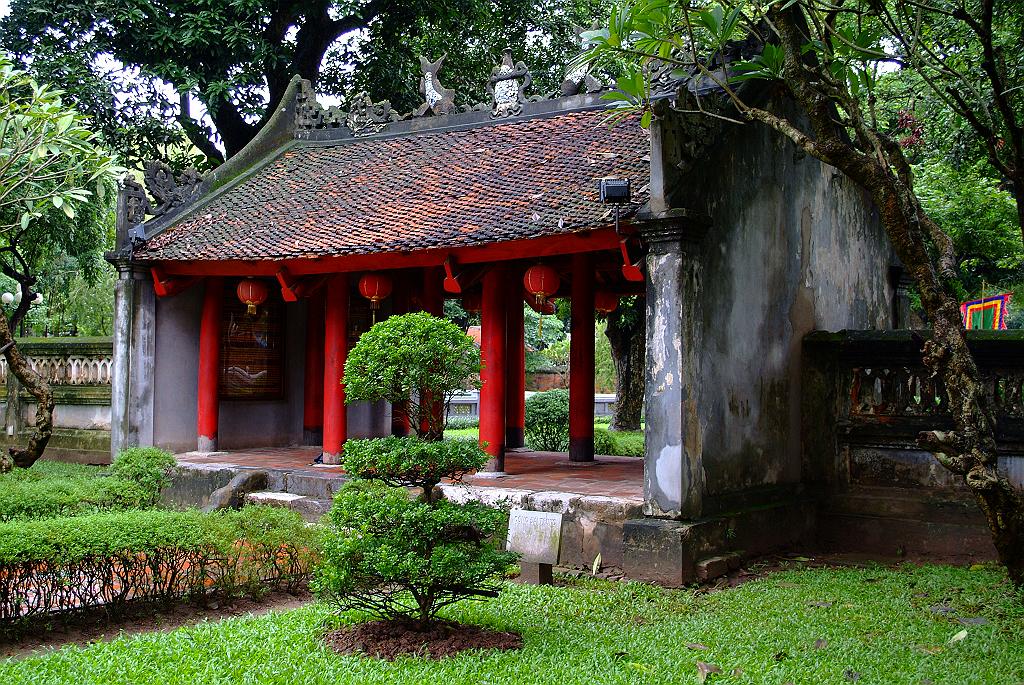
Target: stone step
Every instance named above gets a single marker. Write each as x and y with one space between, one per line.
310 508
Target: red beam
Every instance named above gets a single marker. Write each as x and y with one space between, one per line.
492 351
335 352
593 241
168 286
581 361
208 401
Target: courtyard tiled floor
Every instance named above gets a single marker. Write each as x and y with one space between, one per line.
620 477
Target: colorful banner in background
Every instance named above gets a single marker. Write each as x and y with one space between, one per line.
988 313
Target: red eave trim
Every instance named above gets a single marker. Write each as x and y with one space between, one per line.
532 248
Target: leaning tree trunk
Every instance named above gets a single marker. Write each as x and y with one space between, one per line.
627 333
40 390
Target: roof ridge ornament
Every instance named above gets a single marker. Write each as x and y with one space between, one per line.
367 118
579 80
168 190
438 99
505 88
310 114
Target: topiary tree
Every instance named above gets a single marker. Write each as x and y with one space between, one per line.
417 362
401 558
147 466
547 421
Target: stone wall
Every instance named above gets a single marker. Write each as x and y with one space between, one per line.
79 372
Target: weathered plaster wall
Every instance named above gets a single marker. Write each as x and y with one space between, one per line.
793 246
242 423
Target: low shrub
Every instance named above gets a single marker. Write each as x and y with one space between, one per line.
66 565
402 558
53 489
605 420
618 443
147 466
461 424
547 421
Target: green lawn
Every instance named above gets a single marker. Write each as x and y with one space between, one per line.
872 625
623 443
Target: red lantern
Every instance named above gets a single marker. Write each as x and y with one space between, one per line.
605 302
252 293
473 302
375 287
541 281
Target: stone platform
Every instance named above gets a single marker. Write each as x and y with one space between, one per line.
595 500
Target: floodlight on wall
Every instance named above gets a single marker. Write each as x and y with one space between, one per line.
614 191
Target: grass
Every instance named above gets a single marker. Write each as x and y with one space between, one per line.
878 626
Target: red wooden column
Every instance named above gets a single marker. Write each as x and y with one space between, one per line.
515 377
313 376
581 360
208 401
335 351
492 351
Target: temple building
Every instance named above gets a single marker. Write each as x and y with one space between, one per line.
330 219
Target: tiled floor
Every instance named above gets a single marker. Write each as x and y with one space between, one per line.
611 476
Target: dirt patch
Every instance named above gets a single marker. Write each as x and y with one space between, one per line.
392 639
96 627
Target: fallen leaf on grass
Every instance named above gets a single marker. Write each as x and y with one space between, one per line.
824 605
959 636
973 620
597 565
643 668
851 675
695 645
704 670
820 643
930 649
779 656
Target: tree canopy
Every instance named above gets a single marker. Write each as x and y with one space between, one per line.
139 68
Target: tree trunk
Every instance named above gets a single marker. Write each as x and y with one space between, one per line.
627 333
40 390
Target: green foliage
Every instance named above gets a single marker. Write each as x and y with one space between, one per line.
236 58
547 421
412 462
462 424
873 625
618 443
50 489
147 466
411 358
604 365
66 565
403 559
980 217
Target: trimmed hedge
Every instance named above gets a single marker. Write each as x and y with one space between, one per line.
618 443
547 421
148 466
67 565
53 489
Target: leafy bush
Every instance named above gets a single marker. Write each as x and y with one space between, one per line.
50 489
461 424
412 462
405 559
618 443
147 466
547 421
63 565
417 362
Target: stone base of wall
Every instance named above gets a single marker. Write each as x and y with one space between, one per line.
671 552
75 445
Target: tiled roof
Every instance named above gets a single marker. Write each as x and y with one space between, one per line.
503 181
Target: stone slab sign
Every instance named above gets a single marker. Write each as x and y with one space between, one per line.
535 535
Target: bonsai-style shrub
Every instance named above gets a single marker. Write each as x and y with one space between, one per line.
146 466
402 558
547 421
417 362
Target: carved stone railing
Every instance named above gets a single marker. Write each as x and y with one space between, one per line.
67 361
871 389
